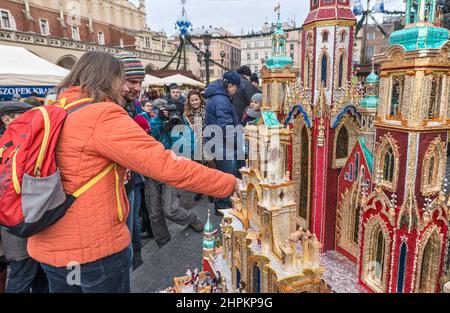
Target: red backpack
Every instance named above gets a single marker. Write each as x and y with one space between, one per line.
32 197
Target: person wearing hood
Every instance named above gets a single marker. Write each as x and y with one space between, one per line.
241 99
221 112
253 111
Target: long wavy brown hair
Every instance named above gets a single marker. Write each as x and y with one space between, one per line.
99 74
189 111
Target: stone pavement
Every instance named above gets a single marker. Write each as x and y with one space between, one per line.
184 250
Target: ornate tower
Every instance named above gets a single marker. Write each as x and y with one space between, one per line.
368 109
404 223
209 238
324 124
327 49
278 72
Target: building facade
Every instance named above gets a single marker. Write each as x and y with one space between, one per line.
61 31
256 48
231 48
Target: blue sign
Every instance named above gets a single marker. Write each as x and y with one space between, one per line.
8 92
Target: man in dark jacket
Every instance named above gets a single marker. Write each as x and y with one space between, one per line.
242 98
221 112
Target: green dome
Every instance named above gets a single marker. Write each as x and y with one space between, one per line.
208 228
420 37
372 78
370 102
209 244
279 62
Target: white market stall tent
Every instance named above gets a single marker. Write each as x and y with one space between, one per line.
152 81
20 67
182 80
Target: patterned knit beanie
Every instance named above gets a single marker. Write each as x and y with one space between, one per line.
132 65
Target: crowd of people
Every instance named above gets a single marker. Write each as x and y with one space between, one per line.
134 130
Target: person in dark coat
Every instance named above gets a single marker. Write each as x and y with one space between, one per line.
242 98
221 112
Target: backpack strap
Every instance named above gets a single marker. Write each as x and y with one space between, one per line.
96 179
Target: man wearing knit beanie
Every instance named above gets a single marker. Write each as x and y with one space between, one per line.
134 76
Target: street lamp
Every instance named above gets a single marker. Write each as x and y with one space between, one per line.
207 41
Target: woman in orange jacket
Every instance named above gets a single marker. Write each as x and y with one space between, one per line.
86 250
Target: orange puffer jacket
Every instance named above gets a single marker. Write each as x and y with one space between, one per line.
91 139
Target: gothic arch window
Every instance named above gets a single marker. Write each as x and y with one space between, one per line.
429 264
433 167
435 97
344 140
395 104
388 165
348 218
256 278
324 70
343 36
341 71
325 36
379 255
356 224
307 78
302 169
401 268
376 254
342 143
387 162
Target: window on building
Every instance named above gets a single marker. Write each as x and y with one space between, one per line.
325 36
341 72
370 51
435 97
101 38
75 33
379 256
307 78
304 173
247 45
343 36
292 47
396 96
370 36
256 69
342 143
388 166
256 56
356 224
266 55
148 42
292 55
6 19
324 71
401 268
45 30
429 271
249 56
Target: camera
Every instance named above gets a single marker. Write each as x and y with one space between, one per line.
174 117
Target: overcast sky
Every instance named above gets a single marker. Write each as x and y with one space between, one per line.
233 15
